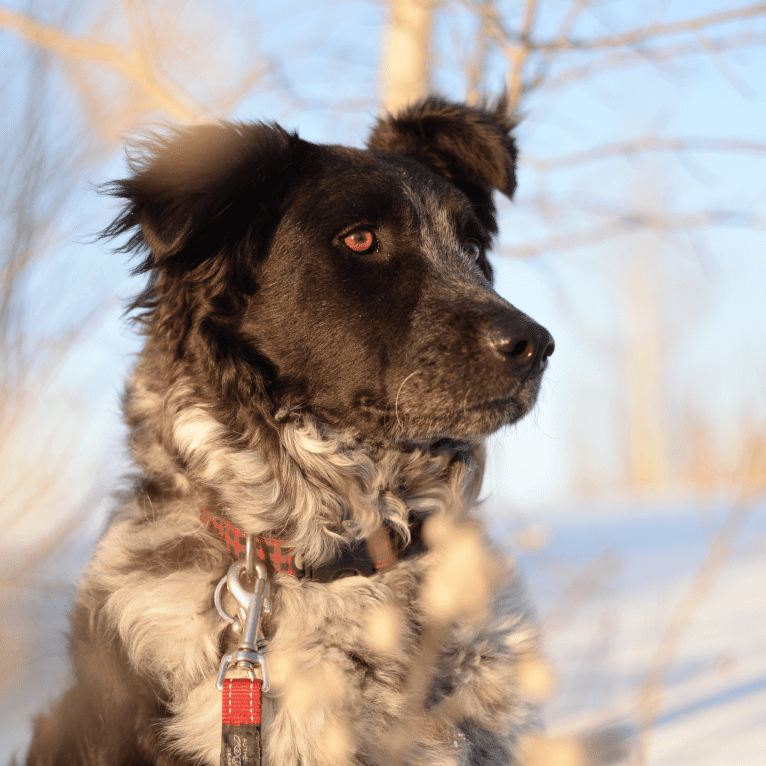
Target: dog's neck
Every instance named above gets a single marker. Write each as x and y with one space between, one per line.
300 477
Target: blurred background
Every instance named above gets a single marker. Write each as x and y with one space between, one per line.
633 496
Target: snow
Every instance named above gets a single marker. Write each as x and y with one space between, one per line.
608 585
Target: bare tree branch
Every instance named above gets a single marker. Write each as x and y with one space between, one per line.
652 32
709 572
518 48
630 223
571 17
132 63
478 63
520 54
658 55
720 64
642 145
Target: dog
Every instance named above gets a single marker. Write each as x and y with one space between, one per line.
324 356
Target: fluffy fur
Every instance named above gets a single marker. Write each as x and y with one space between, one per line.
297 382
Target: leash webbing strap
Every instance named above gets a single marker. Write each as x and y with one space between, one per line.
241 703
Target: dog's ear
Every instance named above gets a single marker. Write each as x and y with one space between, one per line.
470 146
195 189
201 206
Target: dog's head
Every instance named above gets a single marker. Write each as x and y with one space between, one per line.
351 284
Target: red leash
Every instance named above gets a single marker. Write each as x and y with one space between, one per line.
241 703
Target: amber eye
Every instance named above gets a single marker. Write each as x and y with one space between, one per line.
472 249
361 241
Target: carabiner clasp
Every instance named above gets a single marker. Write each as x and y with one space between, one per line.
251 604
248 662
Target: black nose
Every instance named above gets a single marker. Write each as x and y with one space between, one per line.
525 344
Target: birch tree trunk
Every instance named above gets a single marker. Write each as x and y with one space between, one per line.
406 61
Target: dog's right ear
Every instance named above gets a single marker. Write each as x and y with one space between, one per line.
197 189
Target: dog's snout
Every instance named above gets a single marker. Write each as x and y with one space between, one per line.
522 342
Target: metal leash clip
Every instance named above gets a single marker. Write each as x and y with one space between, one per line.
251 605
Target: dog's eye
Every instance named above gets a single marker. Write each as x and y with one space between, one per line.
361 241
472 249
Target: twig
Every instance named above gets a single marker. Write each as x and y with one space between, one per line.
132 63
658 55
520 53
476 66
720 64
652 31
650 697
570 19
642 145
630 223
566 26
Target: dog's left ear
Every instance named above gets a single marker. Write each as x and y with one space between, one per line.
470 146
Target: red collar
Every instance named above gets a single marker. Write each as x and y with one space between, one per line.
366 557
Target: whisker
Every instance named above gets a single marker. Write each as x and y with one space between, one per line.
396 401
465 401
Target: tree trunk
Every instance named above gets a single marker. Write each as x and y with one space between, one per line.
406 62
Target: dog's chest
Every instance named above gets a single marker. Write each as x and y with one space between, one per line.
349 661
